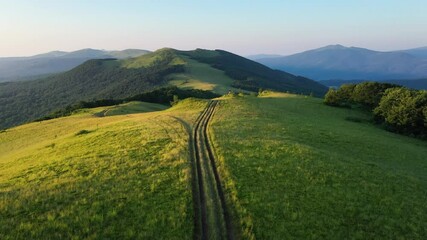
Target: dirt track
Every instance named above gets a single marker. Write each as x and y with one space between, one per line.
212 216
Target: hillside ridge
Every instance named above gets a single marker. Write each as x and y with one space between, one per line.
111 78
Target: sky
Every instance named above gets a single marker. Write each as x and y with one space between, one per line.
29 27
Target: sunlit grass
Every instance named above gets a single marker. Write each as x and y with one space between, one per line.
296 169
292 168
202 76
149 59
130 108
119 177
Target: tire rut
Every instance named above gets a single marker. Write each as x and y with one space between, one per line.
213 220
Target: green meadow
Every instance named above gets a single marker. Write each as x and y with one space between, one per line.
294 168
199 75
84 176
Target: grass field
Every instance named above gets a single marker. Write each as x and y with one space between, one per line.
83 176
292 167
297 169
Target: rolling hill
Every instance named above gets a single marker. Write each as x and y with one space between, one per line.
219 71
22 68
348 63
291 167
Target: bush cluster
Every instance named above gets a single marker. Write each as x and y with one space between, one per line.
400 109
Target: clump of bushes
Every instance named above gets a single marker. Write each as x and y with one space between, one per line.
404 111
399 109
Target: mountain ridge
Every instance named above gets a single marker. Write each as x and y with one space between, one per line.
340 62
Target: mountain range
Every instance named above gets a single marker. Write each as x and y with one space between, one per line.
99 79
23 68
350 63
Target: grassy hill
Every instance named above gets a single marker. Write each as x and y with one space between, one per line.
84 176
199 75
296 169
292 167
252 76
218 71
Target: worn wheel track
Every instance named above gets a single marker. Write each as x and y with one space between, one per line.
213 220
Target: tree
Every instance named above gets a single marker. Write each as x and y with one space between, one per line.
175 100
369 94
403 110
341 97
345 93
331 98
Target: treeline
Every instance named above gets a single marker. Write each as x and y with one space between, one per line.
163 96
399 109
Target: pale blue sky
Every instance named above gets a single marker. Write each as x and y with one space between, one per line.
245 27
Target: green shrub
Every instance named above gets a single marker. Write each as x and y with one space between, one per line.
369 94
403 110
331 98
341 97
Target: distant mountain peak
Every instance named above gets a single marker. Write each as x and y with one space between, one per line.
50 54
336 46
340 47
333 47
340 62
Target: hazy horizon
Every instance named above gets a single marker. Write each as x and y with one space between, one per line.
252 54
268 27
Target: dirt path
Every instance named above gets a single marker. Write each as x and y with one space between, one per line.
212 217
